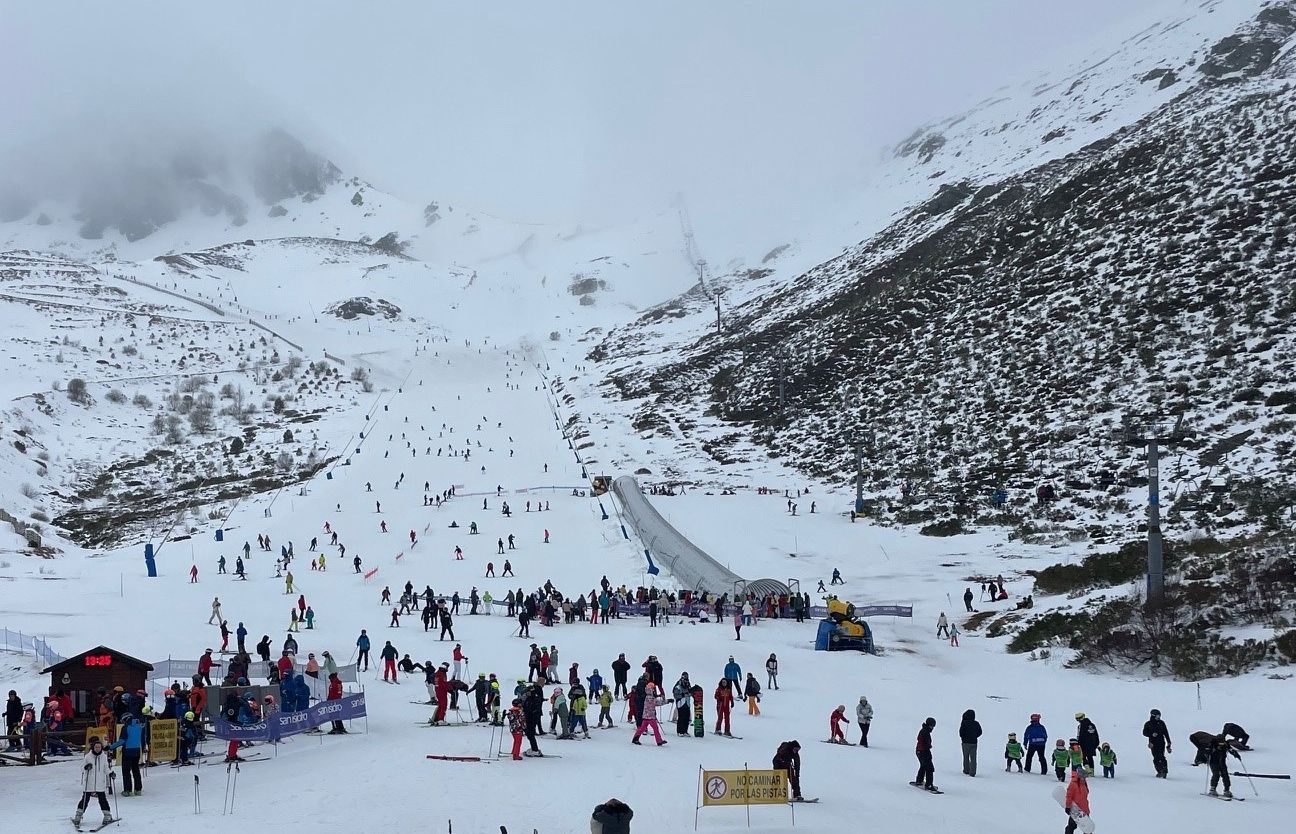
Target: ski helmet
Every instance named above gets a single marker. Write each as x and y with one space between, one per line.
189 716
1035 716
1156 713
1079 716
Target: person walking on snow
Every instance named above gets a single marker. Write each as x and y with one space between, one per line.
1036 740
967 600
1087 733
1061 760
1012 753
864 717
751 693
1076 801
1158 736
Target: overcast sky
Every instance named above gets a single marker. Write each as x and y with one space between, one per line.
533 110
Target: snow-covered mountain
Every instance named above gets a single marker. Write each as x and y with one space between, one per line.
995 334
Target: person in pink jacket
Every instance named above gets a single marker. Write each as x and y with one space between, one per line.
652 697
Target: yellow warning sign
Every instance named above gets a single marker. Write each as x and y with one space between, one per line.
744 787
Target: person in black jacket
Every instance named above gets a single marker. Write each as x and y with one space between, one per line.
1242 740
1217 757
620 669
1158 736
969 732
612 817
923 750
788 757
532 707
13 717
1202 741
1087 734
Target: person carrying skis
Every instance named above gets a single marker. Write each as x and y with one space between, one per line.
1036 740
1158 736
923 750
864 717
1217 757
788 758
1076 800
97 775
1012 753
1061 760
724 704
838 718
389 655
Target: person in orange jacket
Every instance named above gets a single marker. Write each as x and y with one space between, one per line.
1076 803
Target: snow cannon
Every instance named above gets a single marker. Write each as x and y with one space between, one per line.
841 630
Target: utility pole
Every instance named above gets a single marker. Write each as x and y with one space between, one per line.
782 373
717 301
1155 552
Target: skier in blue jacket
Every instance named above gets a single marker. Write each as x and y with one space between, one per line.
595 684
733 672
132 744
1036 740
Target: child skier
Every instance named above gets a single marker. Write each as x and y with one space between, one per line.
1107 758
517 725
605 707
1012 753
578 704
835 721
97 775
1061 759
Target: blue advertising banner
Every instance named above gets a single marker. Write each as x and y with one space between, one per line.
282 724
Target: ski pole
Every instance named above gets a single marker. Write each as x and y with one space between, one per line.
197 797
1248 776
112 783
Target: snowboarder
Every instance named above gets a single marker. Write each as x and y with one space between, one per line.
923 750
1158 736
97 776
969 732
788 758
837 578
864 717
751 693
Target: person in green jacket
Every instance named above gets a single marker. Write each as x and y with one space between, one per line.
1077 755
578 703
1013 753
1107 758
605 706
1061 759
